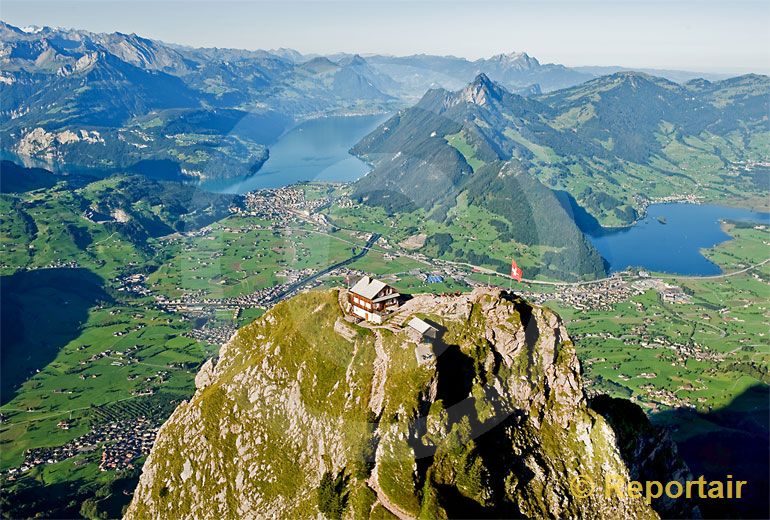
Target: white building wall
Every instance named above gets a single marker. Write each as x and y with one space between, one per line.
368 316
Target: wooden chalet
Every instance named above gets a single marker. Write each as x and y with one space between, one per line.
370 299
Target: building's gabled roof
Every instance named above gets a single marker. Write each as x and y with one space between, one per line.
420 326
368 287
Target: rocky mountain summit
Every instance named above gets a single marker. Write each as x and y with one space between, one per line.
480 91
306 411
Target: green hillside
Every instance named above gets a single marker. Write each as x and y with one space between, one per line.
614 144
77 345
428 160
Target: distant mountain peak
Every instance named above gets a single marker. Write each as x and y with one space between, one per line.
481 91
482 80
629 79
319 65
630 74
32 29
516 60
287 54
636 80
357 60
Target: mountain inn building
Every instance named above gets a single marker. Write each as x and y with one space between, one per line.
370 299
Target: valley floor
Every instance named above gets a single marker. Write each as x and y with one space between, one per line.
671 343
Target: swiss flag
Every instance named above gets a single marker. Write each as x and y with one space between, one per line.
516 271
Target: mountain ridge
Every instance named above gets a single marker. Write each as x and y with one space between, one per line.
76 80
588 139
479 431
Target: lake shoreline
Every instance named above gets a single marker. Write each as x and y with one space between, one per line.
316 149
676 247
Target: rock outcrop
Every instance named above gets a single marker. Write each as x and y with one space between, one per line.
46 145
498 424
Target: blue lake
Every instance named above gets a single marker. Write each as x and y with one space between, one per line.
316 150
674 246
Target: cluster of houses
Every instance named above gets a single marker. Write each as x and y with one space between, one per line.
133 284
604 294
282 205
126 446
122 443
196 303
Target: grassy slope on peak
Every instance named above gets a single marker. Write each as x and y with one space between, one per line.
297 340
290 399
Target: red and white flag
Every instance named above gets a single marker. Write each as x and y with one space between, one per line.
516 271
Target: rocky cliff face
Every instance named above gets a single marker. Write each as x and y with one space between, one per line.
497 423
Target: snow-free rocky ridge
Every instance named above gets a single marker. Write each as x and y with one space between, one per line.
498 424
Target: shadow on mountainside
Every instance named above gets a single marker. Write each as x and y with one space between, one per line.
734 440
586 222
18 179
28 497
456 372
41 311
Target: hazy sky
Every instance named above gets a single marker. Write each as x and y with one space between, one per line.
703 35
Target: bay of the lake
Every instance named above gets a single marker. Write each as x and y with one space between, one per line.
670 238
315 150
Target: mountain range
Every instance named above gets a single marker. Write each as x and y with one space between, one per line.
606 147
545 151
113 101
116 102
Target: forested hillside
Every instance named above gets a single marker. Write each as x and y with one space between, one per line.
614 143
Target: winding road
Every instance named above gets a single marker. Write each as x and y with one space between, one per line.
491 272
484 270
726 275
299 283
